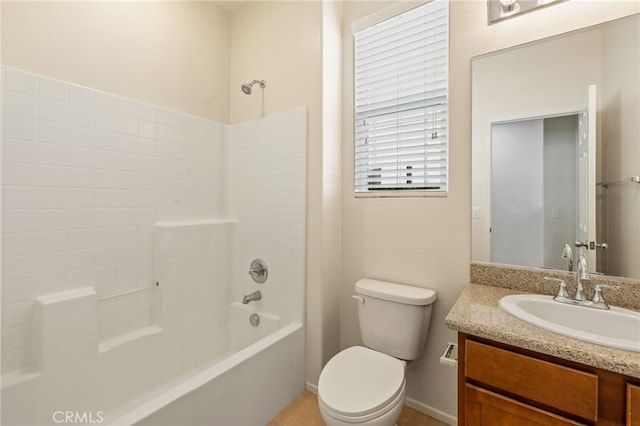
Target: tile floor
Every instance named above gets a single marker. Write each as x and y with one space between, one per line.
303 411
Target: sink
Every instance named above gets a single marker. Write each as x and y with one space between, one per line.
615 328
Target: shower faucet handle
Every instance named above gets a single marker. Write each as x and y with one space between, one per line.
258 271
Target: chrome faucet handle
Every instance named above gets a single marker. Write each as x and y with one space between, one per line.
562 290
258 271
598 299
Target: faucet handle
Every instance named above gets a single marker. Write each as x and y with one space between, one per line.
598 298
258 271
562 290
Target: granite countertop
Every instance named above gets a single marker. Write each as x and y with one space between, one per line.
476 312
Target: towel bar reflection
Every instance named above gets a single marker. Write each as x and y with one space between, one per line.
635 179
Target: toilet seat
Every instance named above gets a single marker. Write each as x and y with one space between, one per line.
359 383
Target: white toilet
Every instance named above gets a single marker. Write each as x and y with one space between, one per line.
367 385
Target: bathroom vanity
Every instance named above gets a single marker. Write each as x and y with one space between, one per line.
513 373
502 384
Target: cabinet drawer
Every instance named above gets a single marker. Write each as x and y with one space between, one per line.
571 391
633 405
485 408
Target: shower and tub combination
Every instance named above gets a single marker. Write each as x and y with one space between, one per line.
140 309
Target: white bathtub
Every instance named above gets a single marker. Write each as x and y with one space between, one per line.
249 387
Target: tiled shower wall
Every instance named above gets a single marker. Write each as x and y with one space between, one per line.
85 175
267 187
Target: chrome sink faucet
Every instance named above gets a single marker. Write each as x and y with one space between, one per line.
582 274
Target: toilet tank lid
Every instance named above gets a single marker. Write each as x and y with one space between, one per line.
394 292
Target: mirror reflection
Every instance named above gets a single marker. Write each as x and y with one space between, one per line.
548 171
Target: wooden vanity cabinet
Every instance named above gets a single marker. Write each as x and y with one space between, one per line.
633 405
488 408
503 385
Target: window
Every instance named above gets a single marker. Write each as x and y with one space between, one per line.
401 103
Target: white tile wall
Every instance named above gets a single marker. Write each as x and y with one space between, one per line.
85 175
267 181
85 178
191 262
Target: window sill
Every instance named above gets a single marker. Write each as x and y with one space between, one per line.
401 194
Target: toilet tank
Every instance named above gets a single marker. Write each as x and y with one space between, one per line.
394 318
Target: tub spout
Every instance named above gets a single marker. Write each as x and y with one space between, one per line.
256 295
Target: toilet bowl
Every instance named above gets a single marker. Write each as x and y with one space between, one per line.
361 386
366 385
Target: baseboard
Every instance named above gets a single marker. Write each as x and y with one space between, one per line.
432 412
311 387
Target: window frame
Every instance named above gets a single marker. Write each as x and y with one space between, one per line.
359 25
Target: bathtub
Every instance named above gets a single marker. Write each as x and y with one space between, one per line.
257 374
249 387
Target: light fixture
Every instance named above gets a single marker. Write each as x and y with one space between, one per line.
509 7
502 9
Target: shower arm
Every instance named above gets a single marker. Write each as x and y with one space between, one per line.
262 83
247 87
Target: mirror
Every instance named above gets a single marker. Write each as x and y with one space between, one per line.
523 94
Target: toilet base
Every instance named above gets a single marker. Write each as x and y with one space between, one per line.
388 418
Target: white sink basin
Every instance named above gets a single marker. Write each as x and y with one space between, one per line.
616 328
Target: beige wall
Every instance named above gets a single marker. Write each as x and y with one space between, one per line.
426 242
174 54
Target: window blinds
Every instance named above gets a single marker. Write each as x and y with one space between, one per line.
401 102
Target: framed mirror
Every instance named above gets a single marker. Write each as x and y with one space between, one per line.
535 187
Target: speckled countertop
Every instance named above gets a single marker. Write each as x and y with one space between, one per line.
476 312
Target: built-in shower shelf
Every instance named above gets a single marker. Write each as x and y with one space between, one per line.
107 345
18 377
111 296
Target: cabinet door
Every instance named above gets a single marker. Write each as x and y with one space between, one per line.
633 405
485 408
566 389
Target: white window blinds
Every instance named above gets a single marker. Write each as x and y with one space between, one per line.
401 103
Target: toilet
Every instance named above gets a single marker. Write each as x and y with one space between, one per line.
366 385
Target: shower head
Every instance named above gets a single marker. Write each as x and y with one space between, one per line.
247 87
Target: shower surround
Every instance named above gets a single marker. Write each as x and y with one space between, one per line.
127 234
